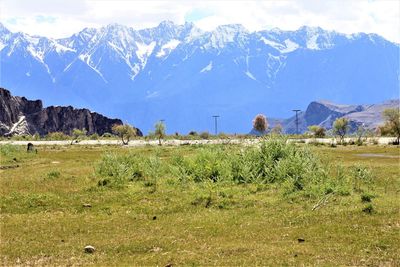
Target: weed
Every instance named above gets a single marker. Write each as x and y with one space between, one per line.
369 209
366 197
53 174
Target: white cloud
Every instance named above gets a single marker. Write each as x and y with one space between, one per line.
65 17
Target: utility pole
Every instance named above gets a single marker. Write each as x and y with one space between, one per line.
297 120
216 123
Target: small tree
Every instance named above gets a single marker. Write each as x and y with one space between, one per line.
340 127
260 123
360 133
278 129
392 123
125 132
159 131
317 131
76 134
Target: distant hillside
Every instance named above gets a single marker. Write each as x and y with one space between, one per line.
21 116
324 113
184 75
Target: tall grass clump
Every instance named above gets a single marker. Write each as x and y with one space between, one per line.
117 170
10 154
292 169
9 150
208 164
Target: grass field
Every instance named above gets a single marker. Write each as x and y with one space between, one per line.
44 221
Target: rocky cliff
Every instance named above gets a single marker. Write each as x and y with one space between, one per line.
324 113
21 116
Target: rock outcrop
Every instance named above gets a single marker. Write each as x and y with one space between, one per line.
20 116
324 113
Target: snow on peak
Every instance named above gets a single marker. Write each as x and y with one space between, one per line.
207 68
166 24
144 51
3 29
250 75
226 34
168 47
287 46
290 46
62 49
274 44
2 45
310 30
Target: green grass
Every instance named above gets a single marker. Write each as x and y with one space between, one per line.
165 221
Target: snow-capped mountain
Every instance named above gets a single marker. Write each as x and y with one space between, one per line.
185 75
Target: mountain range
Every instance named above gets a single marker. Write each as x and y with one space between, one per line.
184 75
20 116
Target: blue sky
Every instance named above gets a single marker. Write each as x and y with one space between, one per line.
61 18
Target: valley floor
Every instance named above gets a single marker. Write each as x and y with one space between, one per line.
46 219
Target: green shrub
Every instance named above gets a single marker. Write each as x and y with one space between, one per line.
107 135
94 136
206 165
53 174
366 197
193 133
295 169
119 169
361 176
368 209
204 135
57 136
9 150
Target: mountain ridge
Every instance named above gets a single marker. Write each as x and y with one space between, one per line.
324 113
176 72
20 116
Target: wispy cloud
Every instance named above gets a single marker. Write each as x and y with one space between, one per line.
45 19
59 18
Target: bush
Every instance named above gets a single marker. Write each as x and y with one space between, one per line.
94 136
274 161
119 169
317 131
9 150
204 135
294 168
53 174
57 136
368 209
366 197
361 176
107 135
